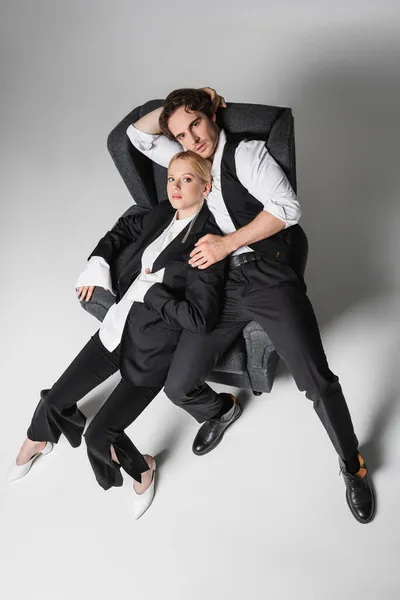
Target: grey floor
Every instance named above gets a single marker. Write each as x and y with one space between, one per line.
262 516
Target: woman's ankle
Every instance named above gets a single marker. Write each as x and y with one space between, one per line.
147 476
114 456
150 460
28 449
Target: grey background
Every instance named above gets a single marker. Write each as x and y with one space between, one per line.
223 526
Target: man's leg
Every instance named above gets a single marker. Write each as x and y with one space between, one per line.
197 354
286 313
195 357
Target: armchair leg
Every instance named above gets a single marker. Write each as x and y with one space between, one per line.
262 358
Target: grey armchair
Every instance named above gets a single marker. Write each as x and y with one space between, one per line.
252 360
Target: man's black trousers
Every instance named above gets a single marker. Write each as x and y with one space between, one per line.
271 293
57 413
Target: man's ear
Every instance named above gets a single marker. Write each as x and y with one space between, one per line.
214 117
207 189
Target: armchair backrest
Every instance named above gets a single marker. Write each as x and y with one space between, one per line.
146 181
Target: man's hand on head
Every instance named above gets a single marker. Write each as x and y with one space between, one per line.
209 250
217 101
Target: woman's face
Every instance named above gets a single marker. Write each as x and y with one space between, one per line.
186 190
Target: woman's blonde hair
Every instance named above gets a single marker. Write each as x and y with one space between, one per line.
201 166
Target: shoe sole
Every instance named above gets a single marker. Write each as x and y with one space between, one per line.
357 518
219 440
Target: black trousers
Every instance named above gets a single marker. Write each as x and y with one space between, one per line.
270 292
57 413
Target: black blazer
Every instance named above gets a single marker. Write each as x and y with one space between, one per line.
188 298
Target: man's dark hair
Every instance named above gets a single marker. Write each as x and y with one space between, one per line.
191 99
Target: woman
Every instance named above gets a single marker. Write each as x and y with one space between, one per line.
158 295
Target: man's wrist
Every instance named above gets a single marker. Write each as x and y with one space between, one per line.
231 242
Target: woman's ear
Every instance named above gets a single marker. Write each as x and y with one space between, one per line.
207 189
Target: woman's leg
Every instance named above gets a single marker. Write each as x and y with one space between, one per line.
57 412
107 430
147 476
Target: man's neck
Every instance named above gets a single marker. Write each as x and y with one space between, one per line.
211 158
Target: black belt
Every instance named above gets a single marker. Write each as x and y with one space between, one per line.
241 259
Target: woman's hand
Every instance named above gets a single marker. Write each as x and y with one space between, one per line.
217 101
85 292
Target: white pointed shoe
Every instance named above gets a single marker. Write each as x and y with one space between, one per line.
143 501
17 471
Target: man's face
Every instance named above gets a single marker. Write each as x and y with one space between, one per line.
195 131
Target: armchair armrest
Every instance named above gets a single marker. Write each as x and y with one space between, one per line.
101 299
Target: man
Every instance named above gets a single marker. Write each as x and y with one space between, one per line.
256 208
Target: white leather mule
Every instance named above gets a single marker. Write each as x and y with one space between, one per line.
17 471
143 501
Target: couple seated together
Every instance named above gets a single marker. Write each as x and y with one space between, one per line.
200 266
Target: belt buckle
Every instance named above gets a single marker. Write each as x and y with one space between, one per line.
241 259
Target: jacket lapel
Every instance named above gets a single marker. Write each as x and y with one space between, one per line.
177 247
158 219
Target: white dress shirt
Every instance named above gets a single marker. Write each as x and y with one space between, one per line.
97 272
256 169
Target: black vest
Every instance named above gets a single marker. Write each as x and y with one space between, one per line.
243 208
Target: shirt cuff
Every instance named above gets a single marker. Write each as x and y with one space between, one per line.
276 211
141 140
97 273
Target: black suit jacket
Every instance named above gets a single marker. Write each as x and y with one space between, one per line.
188 298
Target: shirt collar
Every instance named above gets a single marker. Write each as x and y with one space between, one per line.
180 224
216 166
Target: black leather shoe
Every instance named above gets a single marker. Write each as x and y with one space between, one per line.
359 492
211 432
